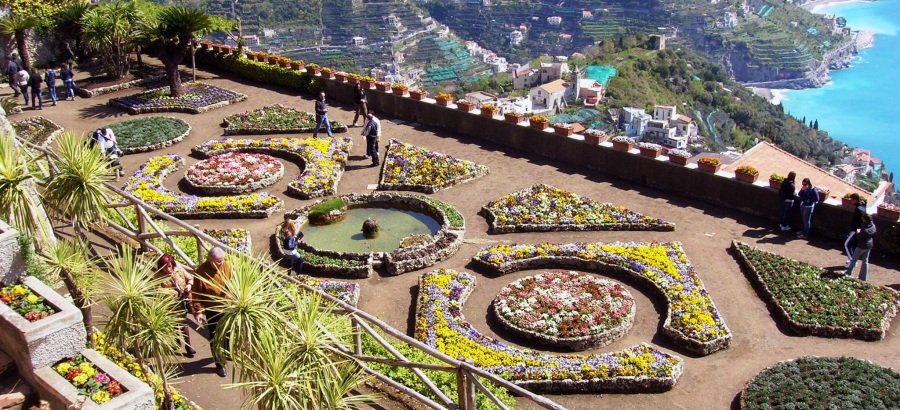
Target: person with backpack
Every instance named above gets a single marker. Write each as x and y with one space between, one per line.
12 68
22 79
290 238
105 140
865 240
37 95
809 197
50 80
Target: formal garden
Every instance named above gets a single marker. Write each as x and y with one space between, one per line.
487 277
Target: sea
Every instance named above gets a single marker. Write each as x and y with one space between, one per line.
859 107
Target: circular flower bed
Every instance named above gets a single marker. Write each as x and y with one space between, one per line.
566 308
823 383
148 134
196 98
234 173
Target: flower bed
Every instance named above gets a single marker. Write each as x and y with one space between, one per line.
36 130
89 381
823 383
812 303
444 244
233 173
93 92
441 325
692 320
197 98
323 159
150 133
26 303
238 239
411 168
274 119
565 309
147 184
347 292
544 208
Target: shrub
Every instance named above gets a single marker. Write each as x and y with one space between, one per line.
444 96
312 65
145 132
711 161
320 210
747 169
777 178
258 71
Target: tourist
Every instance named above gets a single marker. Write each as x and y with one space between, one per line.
212 273
809 197
865 239
322 116
70 54
50 79
359 98
22 79
372 132
37 95
788 194
68 78
105 138
859 209
290 238
12 67
178 282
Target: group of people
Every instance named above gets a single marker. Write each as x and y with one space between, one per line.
860 239
371 127
30 84
105 139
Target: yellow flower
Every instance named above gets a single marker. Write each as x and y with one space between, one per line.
63 368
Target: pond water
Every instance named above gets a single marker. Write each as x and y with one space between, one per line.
346 236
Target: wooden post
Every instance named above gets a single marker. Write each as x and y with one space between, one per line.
199 246
142 227
470 388
462 388
357 336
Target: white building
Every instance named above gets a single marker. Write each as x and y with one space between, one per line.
664 112
358 41
590 90
554 20
549 98
516 37
634 121
659 130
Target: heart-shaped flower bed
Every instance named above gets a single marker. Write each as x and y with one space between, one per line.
566 308
234 173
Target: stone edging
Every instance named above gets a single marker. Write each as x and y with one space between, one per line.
161 144
802 328
676 336
235 189
491 217
430 189
93 92
268 131
188 110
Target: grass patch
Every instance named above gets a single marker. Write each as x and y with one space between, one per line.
321 210
144 132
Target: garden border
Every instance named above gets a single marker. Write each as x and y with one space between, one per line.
481 171
159 145
50 137
166 109
93 92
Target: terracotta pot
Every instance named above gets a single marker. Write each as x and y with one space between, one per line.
313 71
367 84
775 184
563 131
327 74
889 214
354 80
675 159
592 139
847 203
746 177
250 56
382 87
538 125
623 146
823 195
442 102
205 46
486 112
296 66
235 51
514 118
465 107
712 169
398 91
418 95
340 77
272 60
652 153
285 64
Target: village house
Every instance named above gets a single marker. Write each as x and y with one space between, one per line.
548 98
666 126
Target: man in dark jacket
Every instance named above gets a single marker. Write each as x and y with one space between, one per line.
322 116
859 209
359 98
50 79
788 194
865 240
37 95
68 78
12 67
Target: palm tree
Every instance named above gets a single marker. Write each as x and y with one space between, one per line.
111 30
171 36
20 203
69 261
131 288
78 192
69 21
19 26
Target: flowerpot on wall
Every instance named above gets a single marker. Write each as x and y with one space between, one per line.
824 194
235 51
592 138
313 70
563 131
467 107
284 64
250 55
296 66
382 87
514 118
741 176
623 146
398 91
675 159
652 153
443 102
775 184
418 95
890 214
367 84
712 169
487 112
847 203
340 77
539 124
328 74
354 80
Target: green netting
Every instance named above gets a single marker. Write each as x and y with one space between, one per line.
600 73
584 116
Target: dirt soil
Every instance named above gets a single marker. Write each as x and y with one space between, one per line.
710 382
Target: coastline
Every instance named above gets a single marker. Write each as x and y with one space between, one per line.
815 6
773 95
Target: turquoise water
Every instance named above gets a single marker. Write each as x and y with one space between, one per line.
859 106
600 73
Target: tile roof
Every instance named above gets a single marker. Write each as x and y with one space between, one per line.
554 86
685 118
767 158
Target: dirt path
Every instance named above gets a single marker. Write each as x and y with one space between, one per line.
710 382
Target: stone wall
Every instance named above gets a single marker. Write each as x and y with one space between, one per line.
12 266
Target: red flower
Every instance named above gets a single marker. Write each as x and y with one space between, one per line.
114 388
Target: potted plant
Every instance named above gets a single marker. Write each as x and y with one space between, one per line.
679 156
313 68
217 47
888 211
250 55
514 117
418 94
709 164
205 45
775 181
340 76
563 129
489 110
623 143
236 51
327 72
746 173
443 99
383 86
399 89
593 136
297 64
465 105
284 62
649 149
367 82
354 78
847 201
824 193
539 121
272 59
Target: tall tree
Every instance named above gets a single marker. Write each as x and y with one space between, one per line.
171 35
69 21
19 26
111 31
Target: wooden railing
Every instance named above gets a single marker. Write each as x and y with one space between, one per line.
467 374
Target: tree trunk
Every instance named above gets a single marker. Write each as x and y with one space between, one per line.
22 45
168 402
44 237
80 303
174 79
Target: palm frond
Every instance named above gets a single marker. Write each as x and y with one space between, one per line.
159 328
276 378
17 202
73 256
78 192
127 294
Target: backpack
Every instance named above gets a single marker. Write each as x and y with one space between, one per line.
96 138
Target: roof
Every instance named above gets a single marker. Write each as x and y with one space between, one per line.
768 158
554 86
684 118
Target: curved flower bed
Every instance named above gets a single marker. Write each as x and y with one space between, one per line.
440 324
274 119
810 302
233 173
89 381
197 98
823 383
37 130
93 92
692 320
545 208
410 168
238 239
346 292
565 308
444 244
147 184
149 134
323 159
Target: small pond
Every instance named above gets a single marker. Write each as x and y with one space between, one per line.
346 236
